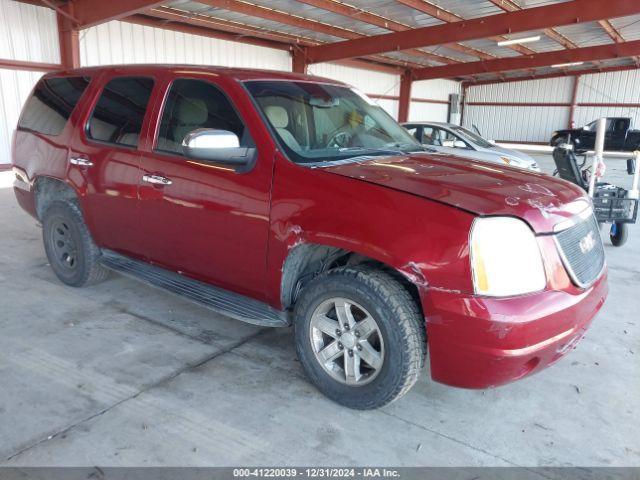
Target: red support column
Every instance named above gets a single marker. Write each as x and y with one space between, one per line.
406 79
299 63
574 100
69 41
463 101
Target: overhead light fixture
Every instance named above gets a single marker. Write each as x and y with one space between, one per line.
570 64
514 41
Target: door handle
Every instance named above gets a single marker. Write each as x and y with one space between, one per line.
156 179
81 162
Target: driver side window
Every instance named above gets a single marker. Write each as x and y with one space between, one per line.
431 136
193 105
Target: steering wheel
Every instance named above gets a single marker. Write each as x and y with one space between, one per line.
340 140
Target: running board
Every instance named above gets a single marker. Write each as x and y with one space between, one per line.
221 301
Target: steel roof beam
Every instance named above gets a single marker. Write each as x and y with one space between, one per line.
254 10
383 22
536 18
509 6
170 19
448 17
94 12
569 73
546 59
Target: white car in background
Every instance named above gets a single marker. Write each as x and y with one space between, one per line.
457 140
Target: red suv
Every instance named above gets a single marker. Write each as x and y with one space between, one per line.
282 199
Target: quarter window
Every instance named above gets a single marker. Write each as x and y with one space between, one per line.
51 104
192 105
119 113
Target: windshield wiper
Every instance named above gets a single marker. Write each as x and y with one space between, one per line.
370 150
393 149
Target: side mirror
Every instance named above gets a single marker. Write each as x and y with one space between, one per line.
631 166
220 146
459 144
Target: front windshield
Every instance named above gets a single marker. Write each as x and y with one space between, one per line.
471 137
320 122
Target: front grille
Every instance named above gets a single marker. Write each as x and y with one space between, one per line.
582 251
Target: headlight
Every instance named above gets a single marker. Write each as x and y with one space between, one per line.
505 258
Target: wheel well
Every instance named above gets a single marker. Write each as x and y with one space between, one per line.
307 260
48 190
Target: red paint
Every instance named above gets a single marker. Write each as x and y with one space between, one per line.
404 102
235 230
574 99
517 104
29 66
68 38
95 12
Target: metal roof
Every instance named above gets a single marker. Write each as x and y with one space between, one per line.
311 23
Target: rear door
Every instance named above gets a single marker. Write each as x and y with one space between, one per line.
207 220
105 156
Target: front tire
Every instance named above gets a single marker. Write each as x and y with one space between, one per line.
360 337
72 254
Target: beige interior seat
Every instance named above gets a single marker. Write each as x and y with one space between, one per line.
279 118
190 114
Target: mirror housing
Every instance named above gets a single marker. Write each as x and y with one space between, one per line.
219 146
459 144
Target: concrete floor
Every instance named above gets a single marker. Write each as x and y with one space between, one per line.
123 374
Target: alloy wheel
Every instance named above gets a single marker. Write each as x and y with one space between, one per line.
346 341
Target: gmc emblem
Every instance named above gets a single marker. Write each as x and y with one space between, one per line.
587 243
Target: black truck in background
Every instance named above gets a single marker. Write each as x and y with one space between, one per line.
618 137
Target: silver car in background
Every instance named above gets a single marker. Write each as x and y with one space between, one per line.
457 140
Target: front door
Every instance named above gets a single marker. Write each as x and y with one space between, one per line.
207 220
104 158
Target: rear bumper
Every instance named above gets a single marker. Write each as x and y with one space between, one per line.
477 342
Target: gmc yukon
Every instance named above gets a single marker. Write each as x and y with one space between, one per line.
288 200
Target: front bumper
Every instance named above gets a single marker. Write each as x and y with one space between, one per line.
481 342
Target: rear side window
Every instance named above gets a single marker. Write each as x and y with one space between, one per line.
51 104
118 115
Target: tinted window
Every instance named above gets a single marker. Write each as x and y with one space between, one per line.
51 104
194 104
118 115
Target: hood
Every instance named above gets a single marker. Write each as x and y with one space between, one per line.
477 187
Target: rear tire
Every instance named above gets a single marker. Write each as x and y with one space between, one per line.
72 254
619 234
385 340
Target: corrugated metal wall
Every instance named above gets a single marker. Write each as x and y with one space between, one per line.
432 90
367 81
536 123
122 42
519 123
27 33
609 87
